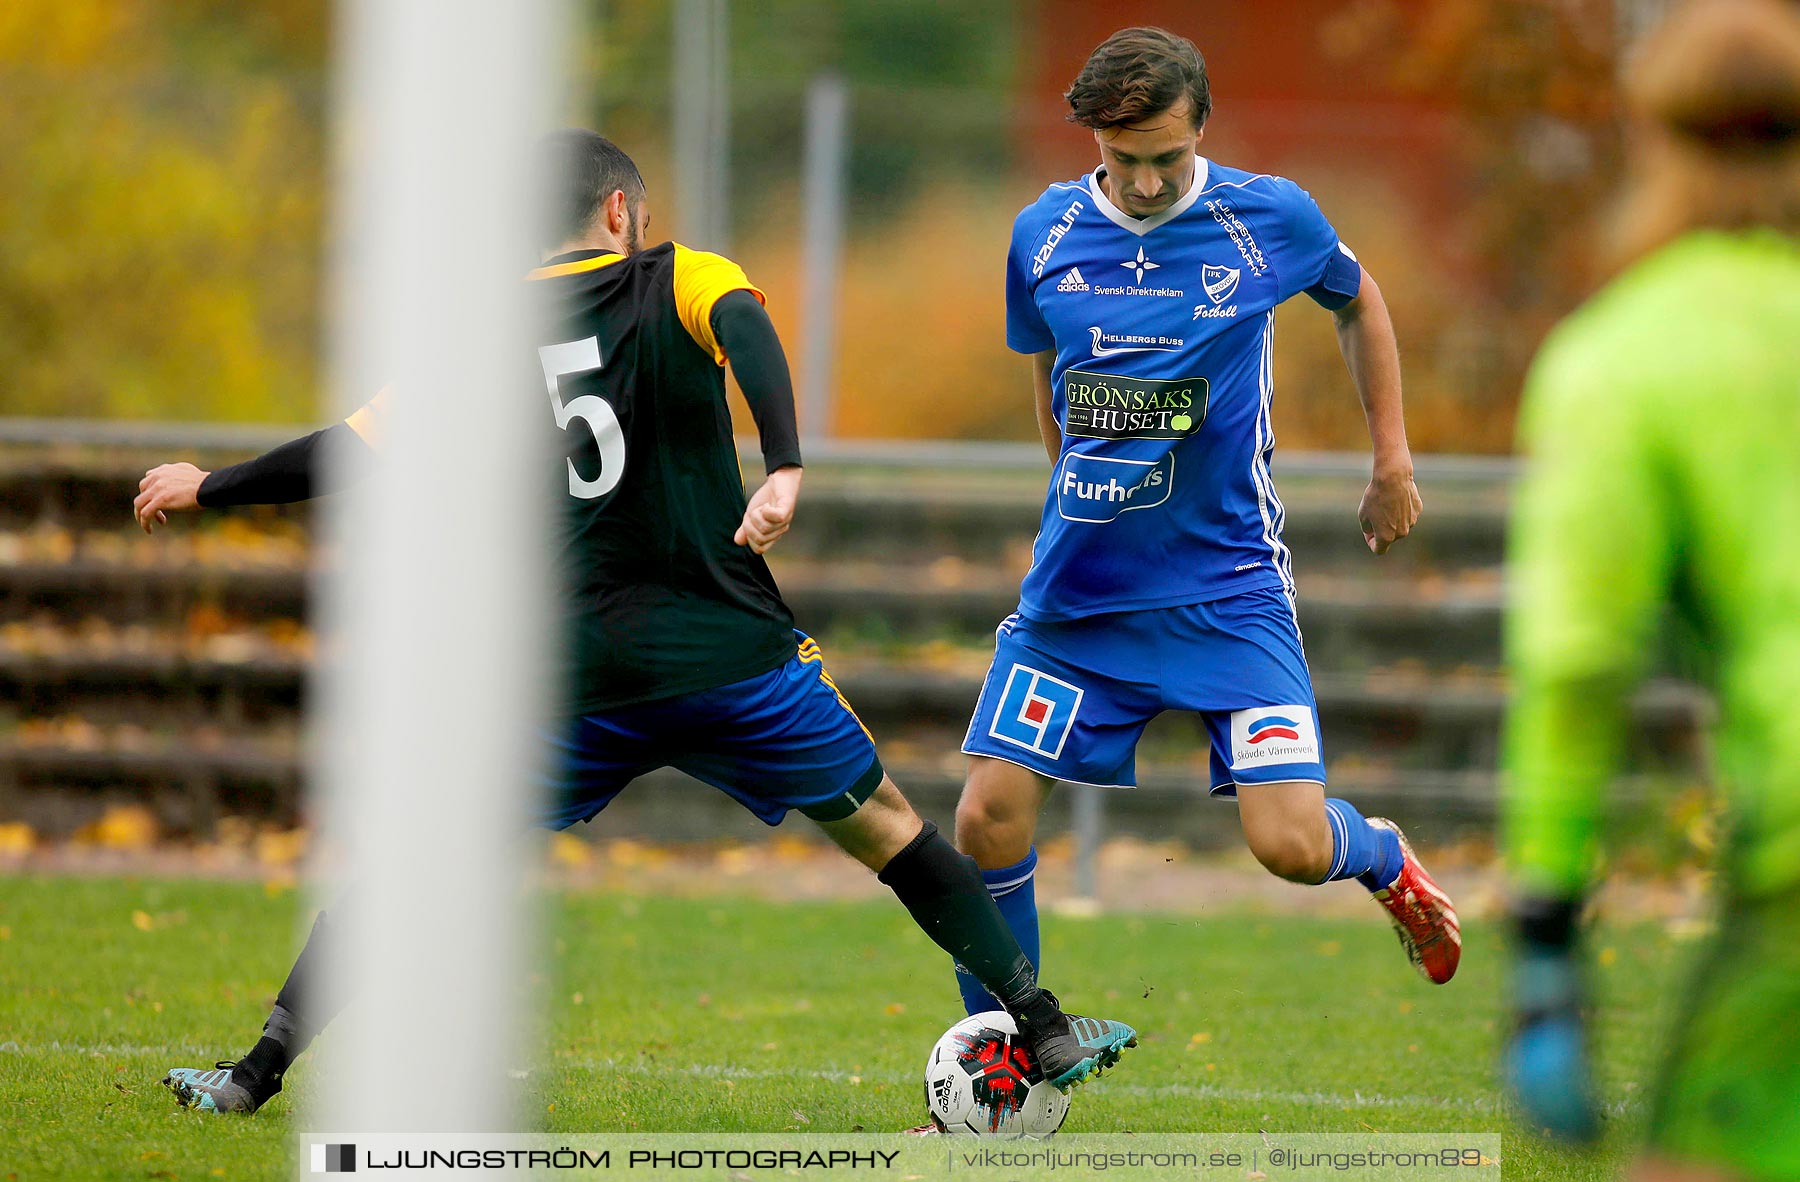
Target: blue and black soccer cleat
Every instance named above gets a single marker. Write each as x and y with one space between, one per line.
210 1090
1546 1060
1546 1066
1069 1049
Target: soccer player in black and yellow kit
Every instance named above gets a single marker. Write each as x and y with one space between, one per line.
682 652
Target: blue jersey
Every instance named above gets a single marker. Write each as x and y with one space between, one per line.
1163 330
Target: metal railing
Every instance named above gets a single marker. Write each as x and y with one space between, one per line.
990 455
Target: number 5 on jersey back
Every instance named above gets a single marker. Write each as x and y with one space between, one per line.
566 360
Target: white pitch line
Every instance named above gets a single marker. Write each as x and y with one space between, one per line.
1311 1099
103 1048
1306 1099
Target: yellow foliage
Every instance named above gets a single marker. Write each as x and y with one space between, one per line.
159 256
121 827
279 849
16 838
568 850
921 318
65 35
162 182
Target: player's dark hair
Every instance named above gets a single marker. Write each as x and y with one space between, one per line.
577 171
1137 73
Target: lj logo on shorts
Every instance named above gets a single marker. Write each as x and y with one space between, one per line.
1036 711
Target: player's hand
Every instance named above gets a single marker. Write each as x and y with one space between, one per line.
771 510
1390 508
171 486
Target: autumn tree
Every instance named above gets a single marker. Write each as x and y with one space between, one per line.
161 188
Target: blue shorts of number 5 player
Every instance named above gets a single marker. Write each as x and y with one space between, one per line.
1070 699
785 739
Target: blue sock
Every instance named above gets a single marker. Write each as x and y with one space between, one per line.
1358 849
1015 891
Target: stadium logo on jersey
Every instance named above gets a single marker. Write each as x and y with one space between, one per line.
1111 406
1097 489
1042 258
1131 343
1239 233
1073 281
1219 282
1036 711
1273 735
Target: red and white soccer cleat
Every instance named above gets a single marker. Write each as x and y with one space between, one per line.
1424 918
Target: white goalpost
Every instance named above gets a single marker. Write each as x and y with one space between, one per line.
435 597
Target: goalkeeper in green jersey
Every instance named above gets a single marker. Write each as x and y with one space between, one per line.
1662 424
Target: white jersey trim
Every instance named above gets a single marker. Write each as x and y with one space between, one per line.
1269 506
1341 836
1142 226
1247 181
970 750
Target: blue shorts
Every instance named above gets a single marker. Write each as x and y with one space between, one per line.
1069 699
785 739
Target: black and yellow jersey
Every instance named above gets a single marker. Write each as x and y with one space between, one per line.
657 598
660 600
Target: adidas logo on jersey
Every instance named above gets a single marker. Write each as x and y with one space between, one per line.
1073 281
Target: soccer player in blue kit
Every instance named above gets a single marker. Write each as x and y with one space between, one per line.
1145 294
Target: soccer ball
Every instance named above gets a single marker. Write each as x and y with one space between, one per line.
980 1081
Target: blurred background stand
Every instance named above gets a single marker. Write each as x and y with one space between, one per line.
700 94
822 250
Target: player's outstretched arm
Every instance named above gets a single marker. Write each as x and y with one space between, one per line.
1390 505
747 336
288 473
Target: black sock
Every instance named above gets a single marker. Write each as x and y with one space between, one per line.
1546 923
944 892
286 1033
260 1071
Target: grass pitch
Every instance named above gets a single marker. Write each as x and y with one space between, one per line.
731 1015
